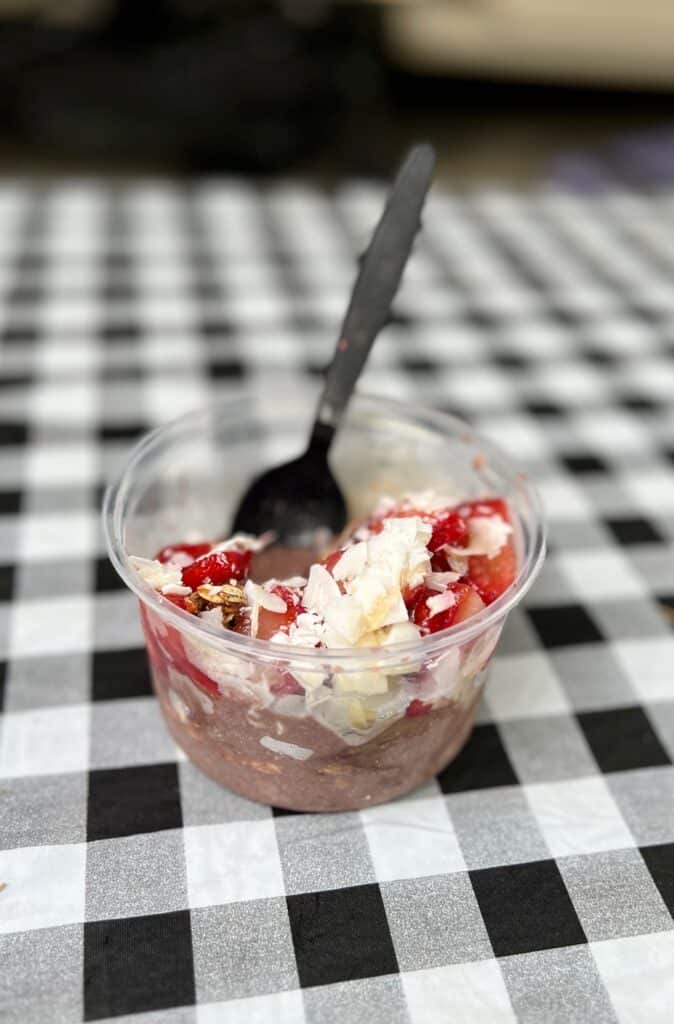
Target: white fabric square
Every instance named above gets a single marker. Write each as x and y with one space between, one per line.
56 625
233 862
58 464
524 686
578 816
638 975
470 993
45 887
653 489
168 396
72 403
412 838
563 499
599 575
649 665
279 1007
611 431
46 741
53 536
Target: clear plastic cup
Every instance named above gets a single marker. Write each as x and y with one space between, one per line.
299 727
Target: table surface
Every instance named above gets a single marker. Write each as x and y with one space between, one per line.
534 879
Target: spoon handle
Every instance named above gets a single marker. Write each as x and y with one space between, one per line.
375 286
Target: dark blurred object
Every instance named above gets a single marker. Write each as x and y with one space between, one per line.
246 86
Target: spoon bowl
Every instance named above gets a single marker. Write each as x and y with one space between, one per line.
300 502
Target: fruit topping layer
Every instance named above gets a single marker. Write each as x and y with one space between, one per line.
416 566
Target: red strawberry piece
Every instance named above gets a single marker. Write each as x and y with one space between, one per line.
412 595
485 507
449 528
285 684
201 680
191 550
330 561
467 602
218 567
270 622
492 576
177 599
417 707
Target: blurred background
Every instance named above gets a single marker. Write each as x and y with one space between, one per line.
511 90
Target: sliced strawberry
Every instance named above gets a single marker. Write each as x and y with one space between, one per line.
376 523
412 595
417 707
218 567
330 561
201 680
191 550
449 528
270 622
286 683
177 599
485 507
467 602
492 576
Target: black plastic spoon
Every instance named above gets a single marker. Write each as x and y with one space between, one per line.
300 501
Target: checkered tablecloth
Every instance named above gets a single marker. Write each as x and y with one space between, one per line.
534 880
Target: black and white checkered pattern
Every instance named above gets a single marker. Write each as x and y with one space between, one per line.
534 880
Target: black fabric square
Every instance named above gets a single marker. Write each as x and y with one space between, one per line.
544 409
25 295
562 625
13 432
6 582
418 364
584 463
117 675
638 403
19 334
599 357
633 531
622 739
526 907
226 369
127 801
509 360
10 503
660 862
122 431
106 576
138 964
119 331
216 328
341 935
118 291
482 764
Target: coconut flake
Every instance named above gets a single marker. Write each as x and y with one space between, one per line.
486 536
245 542
175 588
287 749
157 574
352 562
321 590
440 603
255 594
440 580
